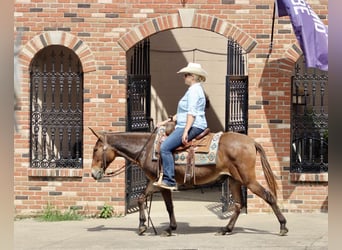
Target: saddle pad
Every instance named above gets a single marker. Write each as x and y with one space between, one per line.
181 156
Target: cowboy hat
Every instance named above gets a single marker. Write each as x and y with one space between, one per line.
194 68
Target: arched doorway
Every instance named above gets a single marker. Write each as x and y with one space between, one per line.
159 57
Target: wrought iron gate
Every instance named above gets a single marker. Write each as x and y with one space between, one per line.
309 149
138 116
56 109
236 109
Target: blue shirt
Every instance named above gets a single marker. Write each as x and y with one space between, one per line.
192 103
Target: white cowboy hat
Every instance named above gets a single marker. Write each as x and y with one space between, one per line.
194 68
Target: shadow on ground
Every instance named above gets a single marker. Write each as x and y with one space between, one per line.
183 228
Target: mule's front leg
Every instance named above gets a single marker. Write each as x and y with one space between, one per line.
141 204
167 196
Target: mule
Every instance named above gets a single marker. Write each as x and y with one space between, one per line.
236 158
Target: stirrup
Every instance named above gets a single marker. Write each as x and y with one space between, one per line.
160 179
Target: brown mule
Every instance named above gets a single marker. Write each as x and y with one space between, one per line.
236 157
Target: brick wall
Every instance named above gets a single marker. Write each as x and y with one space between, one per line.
101 32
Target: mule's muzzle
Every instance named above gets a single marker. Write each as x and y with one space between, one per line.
97 174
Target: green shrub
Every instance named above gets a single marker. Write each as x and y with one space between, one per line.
50 213
106 212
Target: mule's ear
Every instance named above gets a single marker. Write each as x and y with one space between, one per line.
98 135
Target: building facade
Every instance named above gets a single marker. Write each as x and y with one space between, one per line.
76 56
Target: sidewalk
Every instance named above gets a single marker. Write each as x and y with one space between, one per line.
197 223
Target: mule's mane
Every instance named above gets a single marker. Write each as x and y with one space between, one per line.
128 144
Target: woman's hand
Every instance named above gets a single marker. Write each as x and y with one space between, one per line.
185 138
162 123
189 121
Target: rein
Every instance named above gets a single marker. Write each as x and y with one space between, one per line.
135 160
116 172
154 130
104 160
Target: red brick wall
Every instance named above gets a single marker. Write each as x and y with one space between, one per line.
107 29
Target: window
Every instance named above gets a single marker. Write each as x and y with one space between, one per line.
56 79
309 125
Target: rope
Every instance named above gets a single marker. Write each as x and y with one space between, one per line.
191 50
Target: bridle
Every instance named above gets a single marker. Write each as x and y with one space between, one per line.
121 169
104 161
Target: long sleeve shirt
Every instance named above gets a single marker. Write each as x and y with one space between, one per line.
193 103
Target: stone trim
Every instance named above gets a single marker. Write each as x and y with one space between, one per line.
55 172
306 177
202 21
289 58
66 39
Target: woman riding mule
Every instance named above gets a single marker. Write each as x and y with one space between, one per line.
190 122
236 157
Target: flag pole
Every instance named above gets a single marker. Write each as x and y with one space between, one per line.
271 43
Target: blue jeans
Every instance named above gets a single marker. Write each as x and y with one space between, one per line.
173 141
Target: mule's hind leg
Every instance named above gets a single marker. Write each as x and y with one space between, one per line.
167 196
267 196
235 188
141 204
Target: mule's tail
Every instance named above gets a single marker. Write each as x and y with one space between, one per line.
269 176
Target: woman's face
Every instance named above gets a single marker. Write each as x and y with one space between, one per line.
189 78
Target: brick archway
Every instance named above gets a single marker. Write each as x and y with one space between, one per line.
188 20
290 57
58 38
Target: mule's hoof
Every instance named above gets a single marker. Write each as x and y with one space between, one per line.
142 230
219 233
166 233
222 231
283 232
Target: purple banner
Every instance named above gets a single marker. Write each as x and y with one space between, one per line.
310 31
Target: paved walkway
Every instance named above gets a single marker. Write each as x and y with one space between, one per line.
197 223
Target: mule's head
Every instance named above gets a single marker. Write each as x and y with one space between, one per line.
103 155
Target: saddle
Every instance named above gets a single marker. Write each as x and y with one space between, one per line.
200 143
